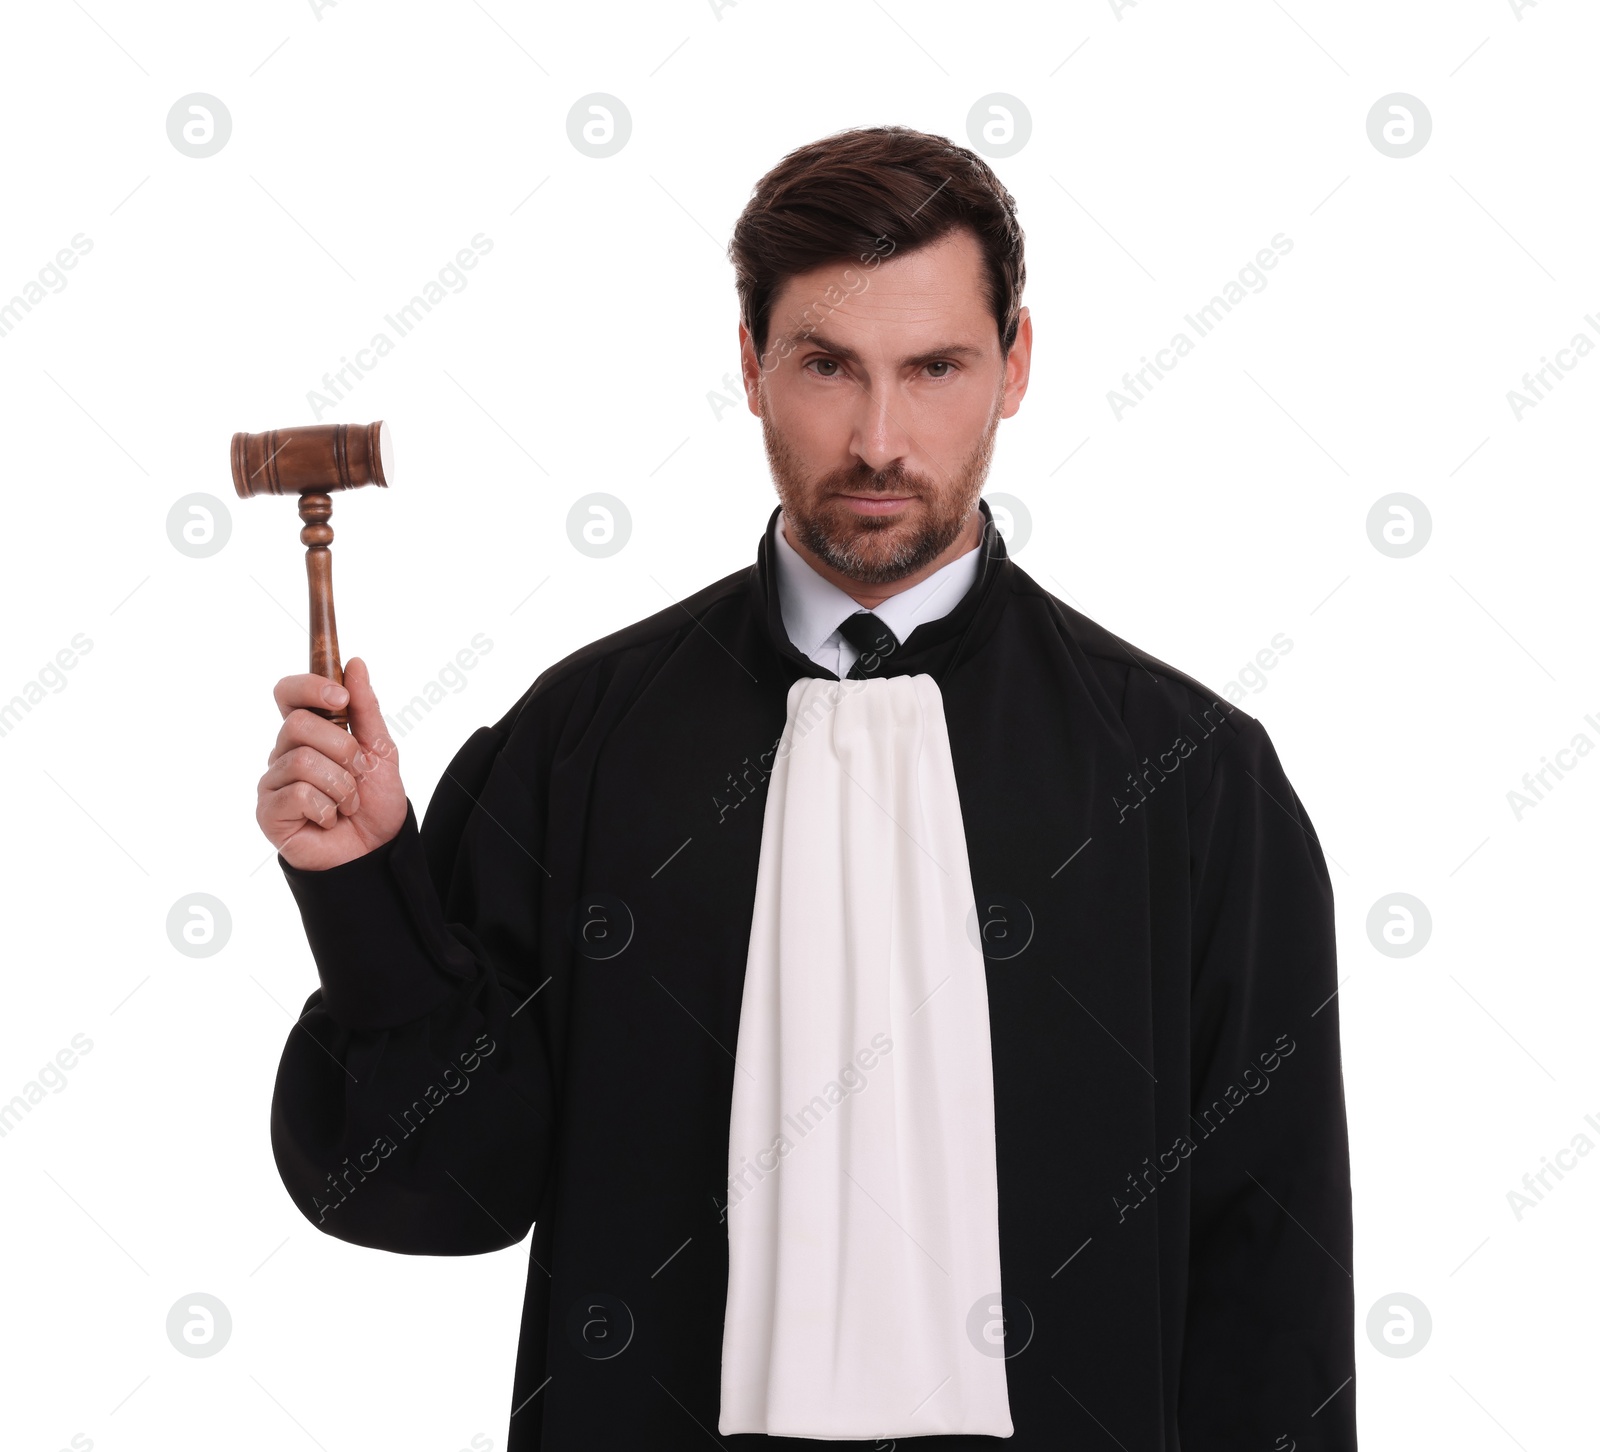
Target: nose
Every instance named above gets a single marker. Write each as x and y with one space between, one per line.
878 436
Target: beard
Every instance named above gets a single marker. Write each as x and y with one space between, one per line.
881 550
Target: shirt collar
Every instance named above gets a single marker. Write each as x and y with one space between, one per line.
813 606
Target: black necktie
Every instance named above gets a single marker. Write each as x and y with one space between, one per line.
872 638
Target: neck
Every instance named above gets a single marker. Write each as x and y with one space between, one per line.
872 596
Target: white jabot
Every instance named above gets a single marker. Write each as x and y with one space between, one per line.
863 1231
813 606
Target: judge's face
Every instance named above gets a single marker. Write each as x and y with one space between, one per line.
879 393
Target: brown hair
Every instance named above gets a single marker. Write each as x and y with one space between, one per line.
866 194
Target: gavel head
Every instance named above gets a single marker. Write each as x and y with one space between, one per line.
312 460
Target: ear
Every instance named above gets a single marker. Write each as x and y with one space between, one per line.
1018 362
750 368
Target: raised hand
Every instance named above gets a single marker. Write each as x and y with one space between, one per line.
329 795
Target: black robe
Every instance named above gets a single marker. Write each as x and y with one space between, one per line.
529 1010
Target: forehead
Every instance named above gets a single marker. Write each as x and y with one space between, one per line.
938 289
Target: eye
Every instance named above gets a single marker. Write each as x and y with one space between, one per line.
825 363
941 363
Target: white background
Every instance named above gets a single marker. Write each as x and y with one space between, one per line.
1169 144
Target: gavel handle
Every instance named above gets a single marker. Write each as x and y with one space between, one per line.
317 535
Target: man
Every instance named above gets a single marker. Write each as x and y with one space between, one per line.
899 1007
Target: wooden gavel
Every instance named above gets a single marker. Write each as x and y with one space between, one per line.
312 462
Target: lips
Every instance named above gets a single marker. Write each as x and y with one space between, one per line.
877 504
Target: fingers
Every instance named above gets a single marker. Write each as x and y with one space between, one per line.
303 764
289 806
303 728
309 692
366 719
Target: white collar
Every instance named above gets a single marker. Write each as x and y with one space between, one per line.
813 606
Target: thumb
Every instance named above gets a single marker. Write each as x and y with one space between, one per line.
366 720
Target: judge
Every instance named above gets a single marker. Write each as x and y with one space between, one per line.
899 1007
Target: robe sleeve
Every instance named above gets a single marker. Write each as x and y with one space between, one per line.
1269 1348
412 1110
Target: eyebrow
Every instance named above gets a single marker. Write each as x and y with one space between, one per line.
839 350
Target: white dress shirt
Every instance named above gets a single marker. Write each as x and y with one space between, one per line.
813 606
